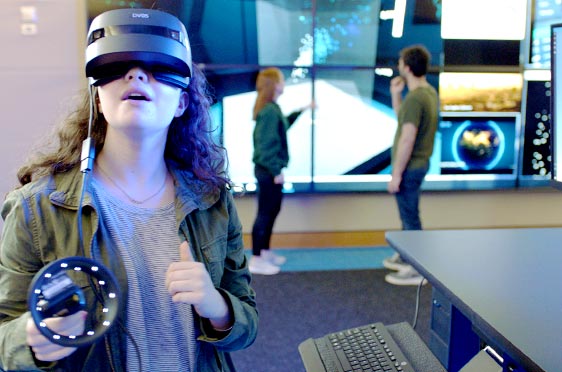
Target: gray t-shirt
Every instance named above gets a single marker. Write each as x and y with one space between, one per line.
148 242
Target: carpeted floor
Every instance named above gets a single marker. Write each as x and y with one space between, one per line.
294 306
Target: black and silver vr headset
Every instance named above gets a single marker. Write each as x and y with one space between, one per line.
122 38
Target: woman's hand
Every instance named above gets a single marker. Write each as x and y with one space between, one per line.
189 282
312 105
279 179
44 349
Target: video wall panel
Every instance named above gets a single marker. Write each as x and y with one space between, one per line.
341 54
237 136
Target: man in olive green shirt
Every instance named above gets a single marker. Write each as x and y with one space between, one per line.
413 145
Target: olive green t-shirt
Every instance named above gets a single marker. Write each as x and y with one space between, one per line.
421 108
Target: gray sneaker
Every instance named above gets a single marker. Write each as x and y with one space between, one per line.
406 276
273 258
259 265
394 262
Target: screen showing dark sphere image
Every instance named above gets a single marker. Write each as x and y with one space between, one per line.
479 145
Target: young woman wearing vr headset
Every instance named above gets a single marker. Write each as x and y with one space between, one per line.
153 205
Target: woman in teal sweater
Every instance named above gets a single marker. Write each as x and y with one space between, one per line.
271 155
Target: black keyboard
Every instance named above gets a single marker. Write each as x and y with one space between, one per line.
368 348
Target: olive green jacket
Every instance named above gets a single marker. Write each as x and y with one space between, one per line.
271 150
41 226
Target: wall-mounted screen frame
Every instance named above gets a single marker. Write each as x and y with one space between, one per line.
556 103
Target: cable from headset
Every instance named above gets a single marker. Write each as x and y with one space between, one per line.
52 292
87 157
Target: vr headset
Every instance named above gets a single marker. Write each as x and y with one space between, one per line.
123 38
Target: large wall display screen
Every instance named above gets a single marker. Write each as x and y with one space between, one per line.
327 50
238 128
344 142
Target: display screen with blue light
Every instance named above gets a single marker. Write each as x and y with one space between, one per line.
479 144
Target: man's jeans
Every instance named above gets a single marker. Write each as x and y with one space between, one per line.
408 198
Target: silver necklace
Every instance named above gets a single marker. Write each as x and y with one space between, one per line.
135 201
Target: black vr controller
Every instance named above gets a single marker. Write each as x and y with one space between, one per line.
53 293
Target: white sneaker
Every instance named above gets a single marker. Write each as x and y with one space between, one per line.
259 265
406 276
273 258
394 262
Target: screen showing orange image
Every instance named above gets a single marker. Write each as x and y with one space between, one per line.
480 92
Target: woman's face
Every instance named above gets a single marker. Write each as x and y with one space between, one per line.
138 103
278 90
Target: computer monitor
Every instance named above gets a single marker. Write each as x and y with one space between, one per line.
556 103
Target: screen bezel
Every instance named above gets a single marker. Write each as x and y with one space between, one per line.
555 98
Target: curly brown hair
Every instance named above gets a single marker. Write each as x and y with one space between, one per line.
189 146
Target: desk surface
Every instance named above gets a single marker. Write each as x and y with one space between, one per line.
508 282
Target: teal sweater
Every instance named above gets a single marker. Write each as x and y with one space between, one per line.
271 150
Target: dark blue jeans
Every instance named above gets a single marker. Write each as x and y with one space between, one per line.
270 196
408 198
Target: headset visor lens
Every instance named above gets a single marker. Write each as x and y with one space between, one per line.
113 71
